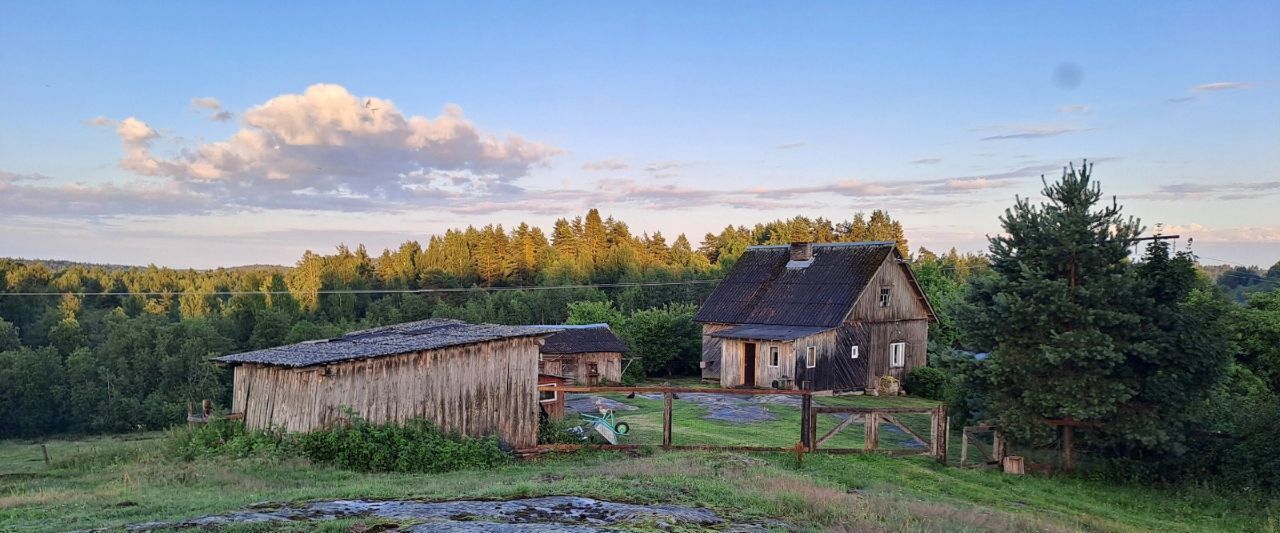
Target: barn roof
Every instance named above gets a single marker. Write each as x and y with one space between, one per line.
760 289
389 340
583 339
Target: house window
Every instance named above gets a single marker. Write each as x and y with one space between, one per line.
547 396
897 355
773 356
811 357
884 296
853 351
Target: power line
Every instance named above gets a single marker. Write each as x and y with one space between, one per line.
382 291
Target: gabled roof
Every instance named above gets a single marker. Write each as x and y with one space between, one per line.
760 289
583 339
389 340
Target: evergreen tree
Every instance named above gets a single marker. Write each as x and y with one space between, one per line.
1058 314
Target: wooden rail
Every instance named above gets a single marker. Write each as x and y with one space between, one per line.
809 440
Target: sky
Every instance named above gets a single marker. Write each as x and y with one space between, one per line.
230 133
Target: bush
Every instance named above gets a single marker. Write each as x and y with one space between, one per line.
928 382
559 431
415 446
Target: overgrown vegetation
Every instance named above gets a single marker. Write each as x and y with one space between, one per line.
415 446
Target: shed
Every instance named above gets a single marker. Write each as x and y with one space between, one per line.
550 397
476 379
586 355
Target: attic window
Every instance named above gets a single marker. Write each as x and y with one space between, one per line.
884 296
811 357
853 351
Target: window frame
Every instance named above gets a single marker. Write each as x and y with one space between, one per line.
811 357
775 357
555 393
901 349
886 296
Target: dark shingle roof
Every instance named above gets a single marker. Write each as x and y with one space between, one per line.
388 340
760 289
583 339
768 333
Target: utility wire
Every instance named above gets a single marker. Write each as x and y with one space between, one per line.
381 291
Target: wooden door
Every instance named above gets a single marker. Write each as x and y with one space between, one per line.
749 364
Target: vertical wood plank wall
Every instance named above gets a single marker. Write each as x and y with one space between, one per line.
732 362
711 352
574 366
480 389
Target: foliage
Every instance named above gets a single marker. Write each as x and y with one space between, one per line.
1255 328
928 382
559 431
1076 331
415 446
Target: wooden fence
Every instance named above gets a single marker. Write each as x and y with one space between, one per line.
808 440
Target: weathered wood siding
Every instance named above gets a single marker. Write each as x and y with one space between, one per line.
734 364
553 408
479 389
574 366
915 333
711 351
836 368
904 301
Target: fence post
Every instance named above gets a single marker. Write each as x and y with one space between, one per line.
871 430
806 422
1068 449
944 433
666 420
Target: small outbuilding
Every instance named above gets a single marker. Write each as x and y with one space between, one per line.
550 397
585 355
476 379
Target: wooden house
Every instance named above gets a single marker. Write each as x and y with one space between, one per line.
816 317
476 379
585 355
550 397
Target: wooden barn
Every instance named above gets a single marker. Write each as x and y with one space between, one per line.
477 379
585 355
815 316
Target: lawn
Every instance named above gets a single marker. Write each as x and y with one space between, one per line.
116 480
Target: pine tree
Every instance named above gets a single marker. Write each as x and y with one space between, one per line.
1058 315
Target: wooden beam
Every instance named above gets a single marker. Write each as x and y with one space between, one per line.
913 434
806 421
871 431
839 427
666 420
678 390
888 410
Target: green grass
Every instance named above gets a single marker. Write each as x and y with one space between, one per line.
111 481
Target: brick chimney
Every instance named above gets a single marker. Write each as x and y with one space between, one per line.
801 251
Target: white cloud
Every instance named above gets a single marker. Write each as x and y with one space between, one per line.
100 121
1075 109
208 102
793 144
1221 86
605 165
1246 234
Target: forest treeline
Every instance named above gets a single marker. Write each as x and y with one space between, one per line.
133 358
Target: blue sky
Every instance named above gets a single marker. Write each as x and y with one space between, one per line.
230 133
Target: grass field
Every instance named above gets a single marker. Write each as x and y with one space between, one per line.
111 481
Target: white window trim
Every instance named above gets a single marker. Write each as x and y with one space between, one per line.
900 349
853 352
811 357
555 394
775 357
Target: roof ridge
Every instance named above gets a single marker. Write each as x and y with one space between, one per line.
825 245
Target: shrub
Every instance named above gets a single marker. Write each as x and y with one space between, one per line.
928 382
415 446
559 431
